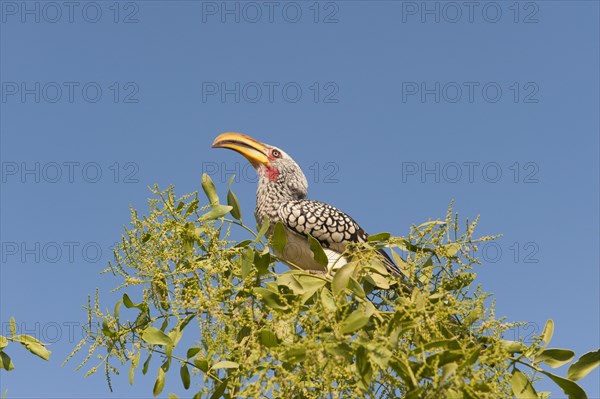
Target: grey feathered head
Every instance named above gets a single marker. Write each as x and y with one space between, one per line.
275 168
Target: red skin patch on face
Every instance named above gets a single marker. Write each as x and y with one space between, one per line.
271 172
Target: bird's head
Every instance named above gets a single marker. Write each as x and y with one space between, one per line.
273 165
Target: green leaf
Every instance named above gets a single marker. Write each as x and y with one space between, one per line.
555 357
12 327
401 367
342 350
295 354
220 390
243 333
117 310
448 370
453 394
167 363
431 222
279 239
570 388
3 342
584 365
356 288
269 298
172 396
545 337
146 364
481 387
183 323
378 280
471 359
342 277
452 249
310 282
225 365
548 331
191 207
209 189
215 212
379 237
233 201
247 262
268 338
317 250
159 384
327 301
154 336
380 355
370 309
444 357
192 352
363 368
175 335
6 362
473 316
202 364
416 393
402 265
377 266
243 244
521 386
445 344
263 230
512 346
262 261
135 360
288 279
184 372
355 321
129 303
34 346
426 271
106 329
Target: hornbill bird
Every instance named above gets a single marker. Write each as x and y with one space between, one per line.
282 188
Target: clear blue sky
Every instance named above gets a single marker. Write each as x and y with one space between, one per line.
392 109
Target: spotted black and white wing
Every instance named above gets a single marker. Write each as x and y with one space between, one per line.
330 226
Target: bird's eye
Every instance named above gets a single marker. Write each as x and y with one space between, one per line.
276 154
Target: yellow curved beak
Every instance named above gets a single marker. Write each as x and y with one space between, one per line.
254 151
